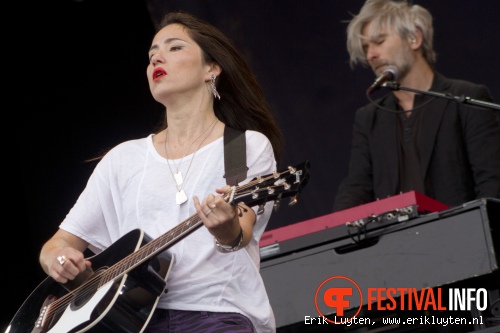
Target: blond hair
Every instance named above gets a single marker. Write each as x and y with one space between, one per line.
394 16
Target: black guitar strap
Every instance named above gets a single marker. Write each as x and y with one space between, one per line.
235 156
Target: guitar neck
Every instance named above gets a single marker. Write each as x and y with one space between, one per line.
153 248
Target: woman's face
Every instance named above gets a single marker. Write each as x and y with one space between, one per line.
176 67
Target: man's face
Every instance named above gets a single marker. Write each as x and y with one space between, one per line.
386 48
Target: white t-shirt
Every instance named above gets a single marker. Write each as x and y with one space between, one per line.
132 187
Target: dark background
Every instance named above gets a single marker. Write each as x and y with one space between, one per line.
80 87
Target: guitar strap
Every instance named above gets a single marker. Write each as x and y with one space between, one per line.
235 156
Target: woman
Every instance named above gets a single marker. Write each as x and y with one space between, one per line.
154 183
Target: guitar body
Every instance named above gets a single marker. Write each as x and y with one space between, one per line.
121 305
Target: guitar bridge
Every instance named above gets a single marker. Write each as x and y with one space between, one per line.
39 324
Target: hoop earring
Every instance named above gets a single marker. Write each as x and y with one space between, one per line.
214 89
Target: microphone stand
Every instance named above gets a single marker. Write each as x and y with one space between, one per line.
461 99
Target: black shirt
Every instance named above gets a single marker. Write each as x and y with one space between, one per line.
410 177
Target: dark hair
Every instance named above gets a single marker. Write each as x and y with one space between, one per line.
242 105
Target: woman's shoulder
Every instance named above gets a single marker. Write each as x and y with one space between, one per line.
129 149
258 145
255 136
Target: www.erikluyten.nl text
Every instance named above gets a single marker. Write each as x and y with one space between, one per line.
419 320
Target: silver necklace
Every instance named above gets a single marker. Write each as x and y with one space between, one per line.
180 195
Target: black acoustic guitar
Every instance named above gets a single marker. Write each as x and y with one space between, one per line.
121 294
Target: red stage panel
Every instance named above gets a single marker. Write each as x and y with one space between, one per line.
423 203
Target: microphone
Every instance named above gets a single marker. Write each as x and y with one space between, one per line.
390 74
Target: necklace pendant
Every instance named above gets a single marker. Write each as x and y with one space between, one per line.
180 197
178 178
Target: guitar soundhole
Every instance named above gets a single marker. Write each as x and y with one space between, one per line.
83 295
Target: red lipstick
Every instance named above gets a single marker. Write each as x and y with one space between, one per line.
158 73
